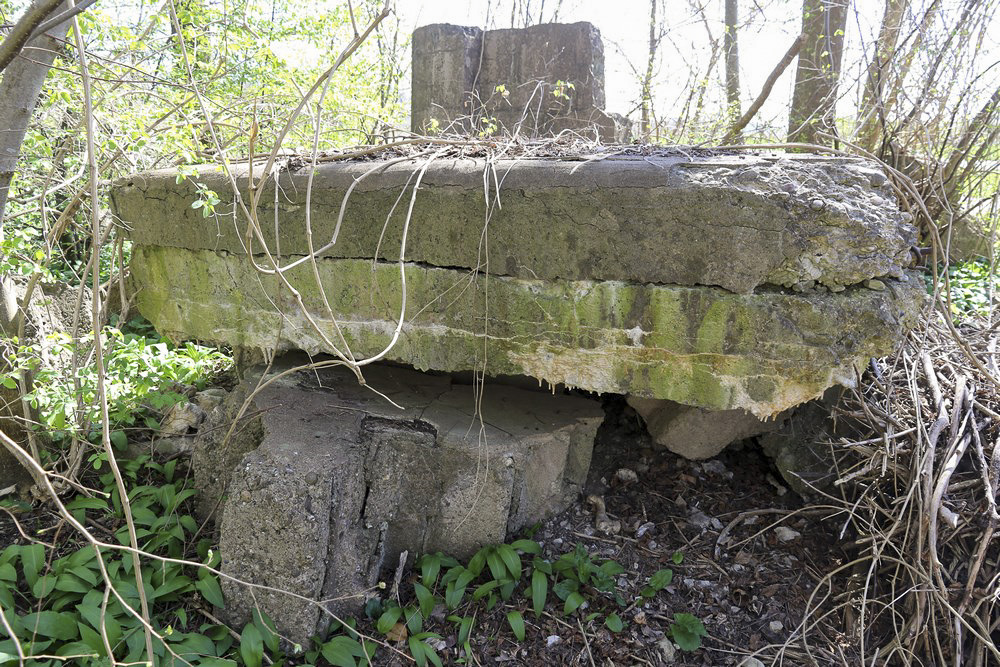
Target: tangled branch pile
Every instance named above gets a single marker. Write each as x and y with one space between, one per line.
918 478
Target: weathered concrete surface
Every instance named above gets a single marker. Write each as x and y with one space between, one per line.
538 80
695 433
804 448
738 222
762 352
334 482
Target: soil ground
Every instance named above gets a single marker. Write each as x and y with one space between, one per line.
751 589
750 583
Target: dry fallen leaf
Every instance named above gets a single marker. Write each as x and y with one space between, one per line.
397 633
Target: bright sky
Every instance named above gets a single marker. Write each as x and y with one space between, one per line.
624 25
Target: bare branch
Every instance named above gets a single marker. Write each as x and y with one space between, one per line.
765 91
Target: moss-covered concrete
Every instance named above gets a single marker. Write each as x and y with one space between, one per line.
738 222
763 352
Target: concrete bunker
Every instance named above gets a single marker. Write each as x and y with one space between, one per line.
706 282
717 291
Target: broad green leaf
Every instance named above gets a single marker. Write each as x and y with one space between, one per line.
477 562
516 624
497 567
32 560
511 560
251 646
611 568
453 595
614 623
573 602
423 650
565 587
414 620
340 651
76 650
425 599
172 585
465 629
56 625
44 586
388 619
485 589
82 502
687 631
430 565
527 546
91 638
70 583
539 591
661 579
210 590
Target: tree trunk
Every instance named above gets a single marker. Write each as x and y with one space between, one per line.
872 114
647 80
814 98
733 110
20 88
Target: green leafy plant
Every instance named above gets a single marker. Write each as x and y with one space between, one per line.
142 375
971 285
57 606
687 631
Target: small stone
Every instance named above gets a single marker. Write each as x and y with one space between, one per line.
877 179
836 288
552 640
776 626
875 284
786 534
668 650
245 496
699 519
626 476
817 204
751 662
311 478
182 418
803 285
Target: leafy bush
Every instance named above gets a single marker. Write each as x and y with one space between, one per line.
56 606
143 373
971 283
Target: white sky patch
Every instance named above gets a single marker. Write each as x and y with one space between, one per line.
766 32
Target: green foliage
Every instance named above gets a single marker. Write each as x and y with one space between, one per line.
971 284
143 373
687 631
502 575
57 606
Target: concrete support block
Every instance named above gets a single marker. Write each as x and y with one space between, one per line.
336 482
695 433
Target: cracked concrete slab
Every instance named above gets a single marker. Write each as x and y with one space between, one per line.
763 352
734 221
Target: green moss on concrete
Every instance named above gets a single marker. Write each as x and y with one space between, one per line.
700 346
